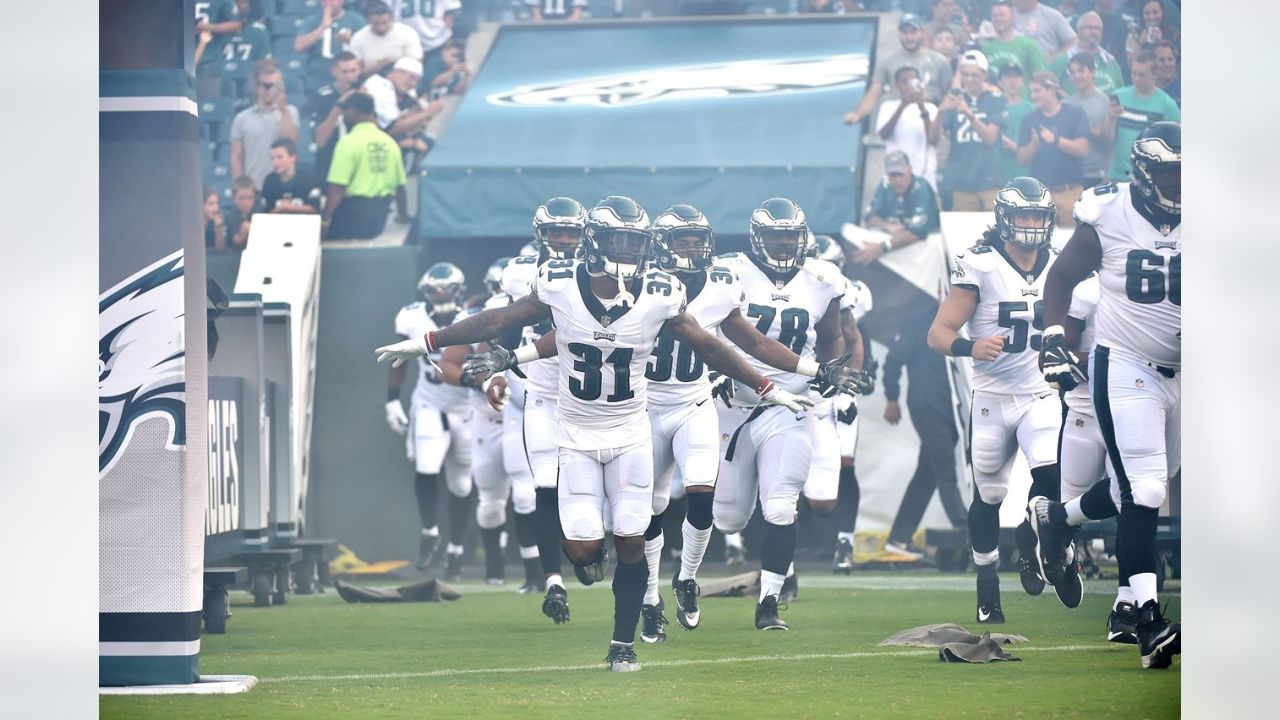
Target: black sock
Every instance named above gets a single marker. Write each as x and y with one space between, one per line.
526 530
655 527
988 573
459 516
1096 503
701 510
1046 481
425 487
494 567
984 525
846 513
547 519
629 582
779 548
1136 535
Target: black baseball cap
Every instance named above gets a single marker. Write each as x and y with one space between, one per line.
360 102
911 20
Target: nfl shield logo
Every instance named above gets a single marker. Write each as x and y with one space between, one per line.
1165 230
605 320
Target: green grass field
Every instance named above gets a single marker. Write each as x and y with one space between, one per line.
493 654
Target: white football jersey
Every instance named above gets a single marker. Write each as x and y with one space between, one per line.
1084 303
788 312
602 353
1140 296
542 375
856 299
413 322
676 371
427 18
1010 303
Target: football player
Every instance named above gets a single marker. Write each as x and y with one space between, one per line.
996 289
1131 235
608 310
437 432
766 451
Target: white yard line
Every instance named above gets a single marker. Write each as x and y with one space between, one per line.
456 672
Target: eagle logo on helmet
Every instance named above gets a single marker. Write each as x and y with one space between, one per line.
1157 161
441 287
1025 197
141 358
562 214
617 239
785 223
683 240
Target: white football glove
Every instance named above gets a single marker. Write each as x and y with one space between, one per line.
774 395
403 351
396 419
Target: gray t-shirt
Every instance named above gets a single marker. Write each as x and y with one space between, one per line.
1046 26
1095 164
933 66
256 129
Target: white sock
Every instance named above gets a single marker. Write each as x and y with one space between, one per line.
502 540
791 569
1075 515
653 555
1144 588
555 580
453 549
770 583
733 540
845 536
528 553
433 531
1123 594
986 558
695 546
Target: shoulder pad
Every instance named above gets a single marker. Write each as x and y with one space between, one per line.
824 271
968 267
1089 207
978 249
412 306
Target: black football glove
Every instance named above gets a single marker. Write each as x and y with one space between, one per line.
721 388
481 366
1062 368
871 367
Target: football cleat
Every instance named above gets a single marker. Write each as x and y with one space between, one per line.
902 550
453 570
767 614
687 592
734 555
594 571
534 581
654 623
790 589
843 560
1122 625
1053 535
989 612
1028 568
427 550
1158 639
1069 588
622 657
556 604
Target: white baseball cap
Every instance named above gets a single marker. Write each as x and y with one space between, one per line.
974 57
410 65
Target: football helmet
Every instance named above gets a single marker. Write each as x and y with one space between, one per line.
617 240
683 240
529 249
493 276
824 247
1157 166
441 287
563 214
784 223
1025 197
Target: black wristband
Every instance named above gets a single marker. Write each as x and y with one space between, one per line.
960 347
393 393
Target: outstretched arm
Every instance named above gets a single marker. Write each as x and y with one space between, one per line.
480 327
830 341
761 347
716 354
451 364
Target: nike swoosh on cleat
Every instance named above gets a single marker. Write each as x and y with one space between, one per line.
982 616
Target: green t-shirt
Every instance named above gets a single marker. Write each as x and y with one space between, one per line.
214 12
320 55
1107 75
1015 113
368 162
1139 112
251 44
917 210
1021 49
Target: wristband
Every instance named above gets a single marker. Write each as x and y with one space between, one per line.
765 387
886 245
526 354
431 342
393 394
1054 330
807 367
961 347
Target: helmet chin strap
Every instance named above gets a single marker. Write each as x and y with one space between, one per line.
623 294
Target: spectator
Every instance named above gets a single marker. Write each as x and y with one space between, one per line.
432 21
215 227
1167 78
1045 26
324 111
449 73
331 35
221 20
933 69
1107 73
904 124
933 416
947 14
1139 105
903 206
570 10
202 45
289 188
244 202
1009 46
1016 108
384 41
1153 29
1094 104
1053 141
253 129
944 43
399 110
251 42
1115 31
367 171
972 117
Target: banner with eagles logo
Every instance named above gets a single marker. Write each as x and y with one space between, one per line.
720 114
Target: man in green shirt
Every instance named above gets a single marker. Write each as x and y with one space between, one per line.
1016 108
1133 108
328 37
1010 47
903 206
1107 74
366 172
